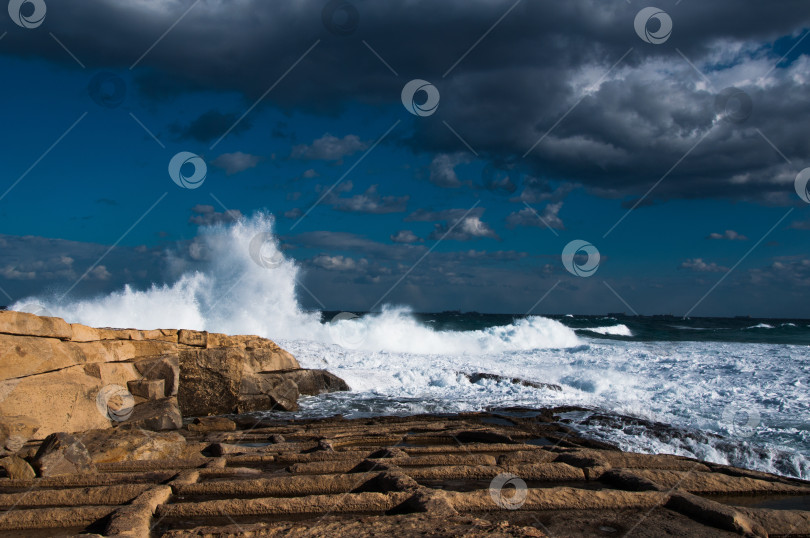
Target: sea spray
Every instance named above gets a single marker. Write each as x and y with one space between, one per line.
249 288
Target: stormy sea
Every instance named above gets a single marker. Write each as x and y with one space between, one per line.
731 391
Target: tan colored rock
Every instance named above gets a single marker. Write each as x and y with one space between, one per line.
112 373
17 468
118 445
150 389
15 431
192 338
156 415
59 401
165 368
24 324
212 424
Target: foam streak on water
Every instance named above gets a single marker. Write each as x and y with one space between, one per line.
396 364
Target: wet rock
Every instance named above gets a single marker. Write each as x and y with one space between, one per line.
478 376
61 454
17 468
314 382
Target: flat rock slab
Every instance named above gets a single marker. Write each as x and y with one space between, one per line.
472 474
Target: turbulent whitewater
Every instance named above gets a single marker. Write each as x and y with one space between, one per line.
745 393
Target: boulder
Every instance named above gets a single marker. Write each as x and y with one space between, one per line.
156 415
314 382
17 468
218 381
61 454
166 368
15 431
269 392
153 389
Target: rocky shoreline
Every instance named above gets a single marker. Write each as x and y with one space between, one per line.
154 455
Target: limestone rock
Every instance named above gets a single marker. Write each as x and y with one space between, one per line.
166 368
156 415
17 468
192 338
25 324
117 445
60 454
150 389
15 431
59 401
314 382
212 424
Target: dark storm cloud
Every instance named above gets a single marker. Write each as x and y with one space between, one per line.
209 126
505 95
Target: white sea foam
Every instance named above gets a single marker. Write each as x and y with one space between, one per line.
236 295
615 330
397 365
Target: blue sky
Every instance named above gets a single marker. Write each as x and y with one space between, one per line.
612 114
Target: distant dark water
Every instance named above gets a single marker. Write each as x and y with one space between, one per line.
641 328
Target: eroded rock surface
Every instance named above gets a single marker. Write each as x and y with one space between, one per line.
396 477
60 377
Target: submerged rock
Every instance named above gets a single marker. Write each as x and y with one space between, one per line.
478 376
